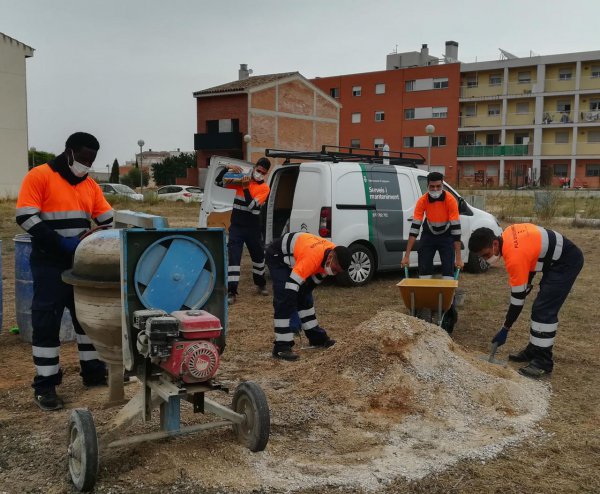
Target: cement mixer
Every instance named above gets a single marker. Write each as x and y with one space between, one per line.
154 301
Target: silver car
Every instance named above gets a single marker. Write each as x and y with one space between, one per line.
181 193
120 190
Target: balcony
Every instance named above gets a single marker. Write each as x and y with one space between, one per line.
523 88
483 120
218 140
557 117
560 84
590 81
591 116
490 151
486 91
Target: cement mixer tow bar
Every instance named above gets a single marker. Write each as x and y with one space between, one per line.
173 314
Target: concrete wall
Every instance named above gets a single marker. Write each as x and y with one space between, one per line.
13 115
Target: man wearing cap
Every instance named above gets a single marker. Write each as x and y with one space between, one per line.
245 226
56 204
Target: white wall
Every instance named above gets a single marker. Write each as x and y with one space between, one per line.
13 115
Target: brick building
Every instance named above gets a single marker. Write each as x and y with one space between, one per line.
394 106
283 111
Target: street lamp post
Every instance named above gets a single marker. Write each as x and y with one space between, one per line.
141 144
108 173
430 129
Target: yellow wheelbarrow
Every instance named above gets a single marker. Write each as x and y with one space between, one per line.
433 294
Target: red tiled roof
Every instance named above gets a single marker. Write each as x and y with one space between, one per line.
244 84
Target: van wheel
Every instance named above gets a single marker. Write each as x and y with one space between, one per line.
476 264
362 267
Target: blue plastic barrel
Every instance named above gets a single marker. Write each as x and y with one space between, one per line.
24 293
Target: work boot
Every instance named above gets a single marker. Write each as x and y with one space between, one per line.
533 371
262 290
231 298
95 381
525 355
326 343
48 400
285 353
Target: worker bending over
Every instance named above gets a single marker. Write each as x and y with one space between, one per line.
526 250
298 262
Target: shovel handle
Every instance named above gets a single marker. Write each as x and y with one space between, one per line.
406 271
456 273
493 352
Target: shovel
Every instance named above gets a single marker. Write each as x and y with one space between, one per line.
492 357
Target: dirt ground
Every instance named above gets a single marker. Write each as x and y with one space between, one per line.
347 419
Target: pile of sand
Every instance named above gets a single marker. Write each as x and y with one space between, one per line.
395 397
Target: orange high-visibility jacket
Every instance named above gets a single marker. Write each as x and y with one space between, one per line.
247 202
304 253
437 215
49 206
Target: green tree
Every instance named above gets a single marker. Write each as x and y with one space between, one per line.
166 171
114 173
36 157
132 178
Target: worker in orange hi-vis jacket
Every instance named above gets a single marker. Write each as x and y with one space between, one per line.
528 249
298 262
56 205
436 212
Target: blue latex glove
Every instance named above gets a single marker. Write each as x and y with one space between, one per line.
501 336
69 244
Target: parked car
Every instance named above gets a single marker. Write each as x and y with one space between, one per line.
364 203
120 190
182 193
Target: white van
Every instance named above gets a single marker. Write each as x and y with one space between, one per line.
355 200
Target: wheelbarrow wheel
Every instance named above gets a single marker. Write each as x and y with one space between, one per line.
83 449
449 319
250 401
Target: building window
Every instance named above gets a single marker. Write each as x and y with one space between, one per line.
437 141
595 104
563 105
524 77
439 112
409 114
409 86
592 170
521 137
379 88
334 92
378 143
356 90
493 110
356 118
471 110
408 142
561 138
492 139
595 71
379 116
523 108
471 81
224 125
441 83
593 136
560 170
355 143
495 79
565 74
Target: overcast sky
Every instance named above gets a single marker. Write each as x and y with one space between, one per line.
125 70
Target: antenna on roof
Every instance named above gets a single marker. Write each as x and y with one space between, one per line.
506 55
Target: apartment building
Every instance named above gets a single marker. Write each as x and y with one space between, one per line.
533 120
242 118
13 114
394 106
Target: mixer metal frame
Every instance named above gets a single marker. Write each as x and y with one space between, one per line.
248 415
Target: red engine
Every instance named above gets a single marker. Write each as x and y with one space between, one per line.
193 358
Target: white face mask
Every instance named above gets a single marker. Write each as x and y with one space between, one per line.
329 271
78 169
259 177
435 194
492 260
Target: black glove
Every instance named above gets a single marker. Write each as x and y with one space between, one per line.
69 244
501 336
528 289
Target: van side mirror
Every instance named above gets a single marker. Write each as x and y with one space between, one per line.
463 207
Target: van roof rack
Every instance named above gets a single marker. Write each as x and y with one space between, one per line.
335 154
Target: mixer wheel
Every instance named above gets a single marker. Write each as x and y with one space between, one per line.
83 449
250 400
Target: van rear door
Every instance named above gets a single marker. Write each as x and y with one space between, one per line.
218 201
276 220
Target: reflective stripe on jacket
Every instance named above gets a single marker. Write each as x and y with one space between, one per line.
437 215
